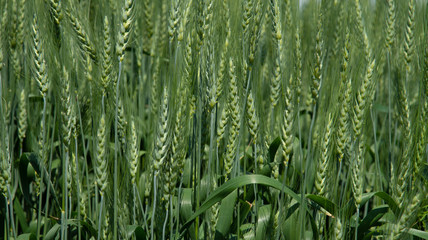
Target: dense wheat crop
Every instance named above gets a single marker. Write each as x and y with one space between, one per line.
213 119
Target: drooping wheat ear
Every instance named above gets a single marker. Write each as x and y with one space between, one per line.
101 168
357 183
183 21
277 37
22 117
85 42
83 201
317 72
409 36
39 61
404 163
163 27
106 223
122 123
4 166
107 60
188 62
66 109
407 218
362 101
253 119
223 62
16 63
255 32
287 126
343 130
214 214
323 163
420 147
71 175
390 26
177 148
174 19
133 150
125 29
247 15
299 64
161 143
340 22
155 87
222 123
345 102
148 9
234 115
56 10
338 229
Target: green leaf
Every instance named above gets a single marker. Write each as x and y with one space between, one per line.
372 219
224 190
35 162
418 233
424 172
225 217
20 215
52 232
384 196
264 214
26 236
137 230
324 203
87 226
186 209
273 148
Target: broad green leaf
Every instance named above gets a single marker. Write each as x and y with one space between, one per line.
20 215
186 209
34 160
263 218
139 232
325 203
273 148
418 233
384 196
53 232
225 217
26 236
86 226
372 219
225 189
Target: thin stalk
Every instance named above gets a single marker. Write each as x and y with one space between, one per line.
100 217
49 173
11 211
115 155
308 157
154 204
164 225
39 213
142 209
7 220
210 156
65 172
78 185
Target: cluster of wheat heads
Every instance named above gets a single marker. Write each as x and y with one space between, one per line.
213 119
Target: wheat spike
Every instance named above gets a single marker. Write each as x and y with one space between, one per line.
22 117
125 29
39 61
101 169
86 44
323 164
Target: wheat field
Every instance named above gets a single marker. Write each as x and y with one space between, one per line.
213 119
